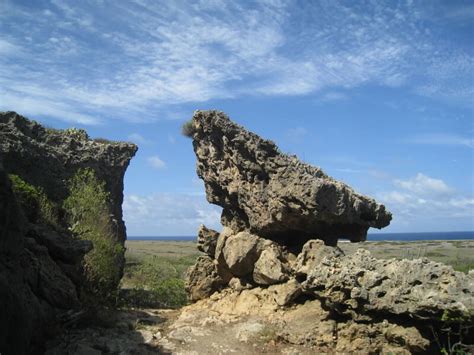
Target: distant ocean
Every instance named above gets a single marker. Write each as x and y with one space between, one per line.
406 237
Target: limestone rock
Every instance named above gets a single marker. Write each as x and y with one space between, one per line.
359 284
207 240
202 279
48 158
269 269
240 253
313 252
272 194
287 292
41 267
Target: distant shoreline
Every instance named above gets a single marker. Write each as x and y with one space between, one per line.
389 237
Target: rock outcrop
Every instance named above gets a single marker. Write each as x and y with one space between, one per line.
41 265
48 158
274 195
277 252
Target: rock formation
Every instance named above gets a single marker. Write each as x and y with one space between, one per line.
272 194
40 266
282 220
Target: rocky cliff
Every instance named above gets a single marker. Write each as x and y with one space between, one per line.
41 265
276 260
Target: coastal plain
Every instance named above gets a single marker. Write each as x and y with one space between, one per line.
458 253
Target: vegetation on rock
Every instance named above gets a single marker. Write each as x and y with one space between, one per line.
88 213
187 129
35 204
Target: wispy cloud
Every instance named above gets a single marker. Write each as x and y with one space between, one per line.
442 139
149 55
138 138
423 185
426 199
169 214
156 162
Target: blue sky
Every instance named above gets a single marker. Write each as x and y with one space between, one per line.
380 94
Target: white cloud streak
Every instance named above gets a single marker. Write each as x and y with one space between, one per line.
442 139
169 214
155 162
151 55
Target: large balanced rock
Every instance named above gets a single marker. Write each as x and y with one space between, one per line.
272 194
277 251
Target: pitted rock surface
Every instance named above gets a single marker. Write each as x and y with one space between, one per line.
272 194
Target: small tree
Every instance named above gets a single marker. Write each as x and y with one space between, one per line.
88 213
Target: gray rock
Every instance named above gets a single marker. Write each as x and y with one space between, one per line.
207 240
359 285
272 194
48 158
202 279
312 254
240 253
40 268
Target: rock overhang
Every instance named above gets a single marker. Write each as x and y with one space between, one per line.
275 195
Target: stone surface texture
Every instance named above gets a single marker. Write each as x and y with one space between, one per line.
279 265
272 194
40 265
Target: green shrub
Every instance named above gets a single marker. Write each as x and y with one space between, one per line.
88 213
187 129
35 204
157 282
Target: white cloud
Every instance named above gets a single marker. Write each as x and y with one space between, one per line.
423 202
138 138
156 162
297 133
442 139
153 55
7 47
424 185
169 214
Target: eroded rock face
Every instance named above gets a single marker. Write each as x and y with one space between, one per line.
277 251
40 265
274 195
39 276
49 158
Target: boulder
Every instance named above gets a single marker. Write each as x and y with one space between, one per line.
312 254
202 279
269 268
240 253
272 194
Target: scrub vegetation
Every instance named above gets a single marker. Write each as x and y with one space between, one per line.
88 214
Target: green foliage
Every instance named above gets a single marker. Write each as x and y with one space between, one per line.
187 129
34 202
88 213
157 282
455 329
